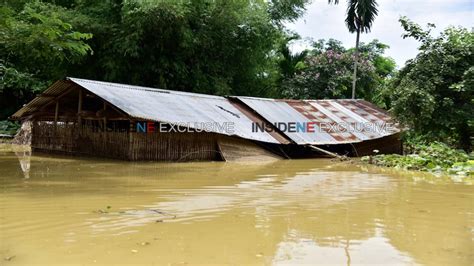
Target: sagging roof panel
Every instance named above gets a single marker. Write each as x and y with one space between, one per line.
359 120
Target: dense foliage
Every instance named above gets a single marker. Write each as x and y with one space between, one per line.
209 46
9 127
216 47
434 93
36 46
434 157
327 71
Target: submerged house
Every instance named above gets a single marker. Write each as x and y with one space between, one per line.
86 117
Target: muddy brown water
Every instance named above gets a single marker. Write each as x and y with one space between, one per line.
69 210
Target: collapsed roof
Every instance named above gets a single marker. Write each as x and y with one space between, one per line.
359 120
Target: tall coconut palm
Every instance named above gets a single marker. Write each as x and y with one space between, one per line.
359 18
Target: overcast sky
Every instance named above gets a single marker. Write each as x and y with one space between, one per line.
323 21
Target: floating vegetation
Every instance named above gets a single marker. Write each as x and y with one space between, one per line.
102 211
162 215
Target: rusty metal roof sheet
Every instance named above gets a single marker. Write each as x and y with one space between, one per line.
174 107
334 121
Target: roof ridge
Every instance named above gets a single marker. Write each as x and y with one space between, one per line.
143 88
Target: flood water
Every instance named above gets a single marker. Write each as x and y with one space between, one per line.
69 210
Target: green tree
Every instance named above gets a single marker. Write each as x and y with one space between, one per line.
216 47
433 93
359 18
286 10
208 46
35 47
328 67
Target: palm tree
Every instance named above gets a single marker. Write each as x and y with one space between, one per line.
289 63
359 18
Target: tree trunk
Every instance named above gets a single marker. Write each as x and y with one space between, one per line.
354 77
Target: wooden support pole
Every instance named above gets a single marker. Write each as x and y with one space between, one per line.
105 117
335 155
56 111
131 147
79 107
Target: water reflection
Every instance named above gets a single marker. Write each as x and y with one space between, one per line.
312 190
290 212
375 250
23 153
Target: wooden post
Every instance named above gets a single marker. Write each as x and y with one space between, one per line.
56 111
104 130
79 108
335 155
131 147
104 120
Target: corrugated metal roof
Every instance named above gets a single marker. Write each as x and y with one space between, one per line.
53 91
335 121
175 107
172 107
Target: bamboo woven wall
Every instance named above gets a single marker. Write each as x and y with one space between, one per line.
173 146
69 138
46 137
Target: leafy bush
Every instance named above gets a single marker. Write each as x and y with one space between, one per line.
433 93
36 48
8 127
462 168
327 71
435 157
